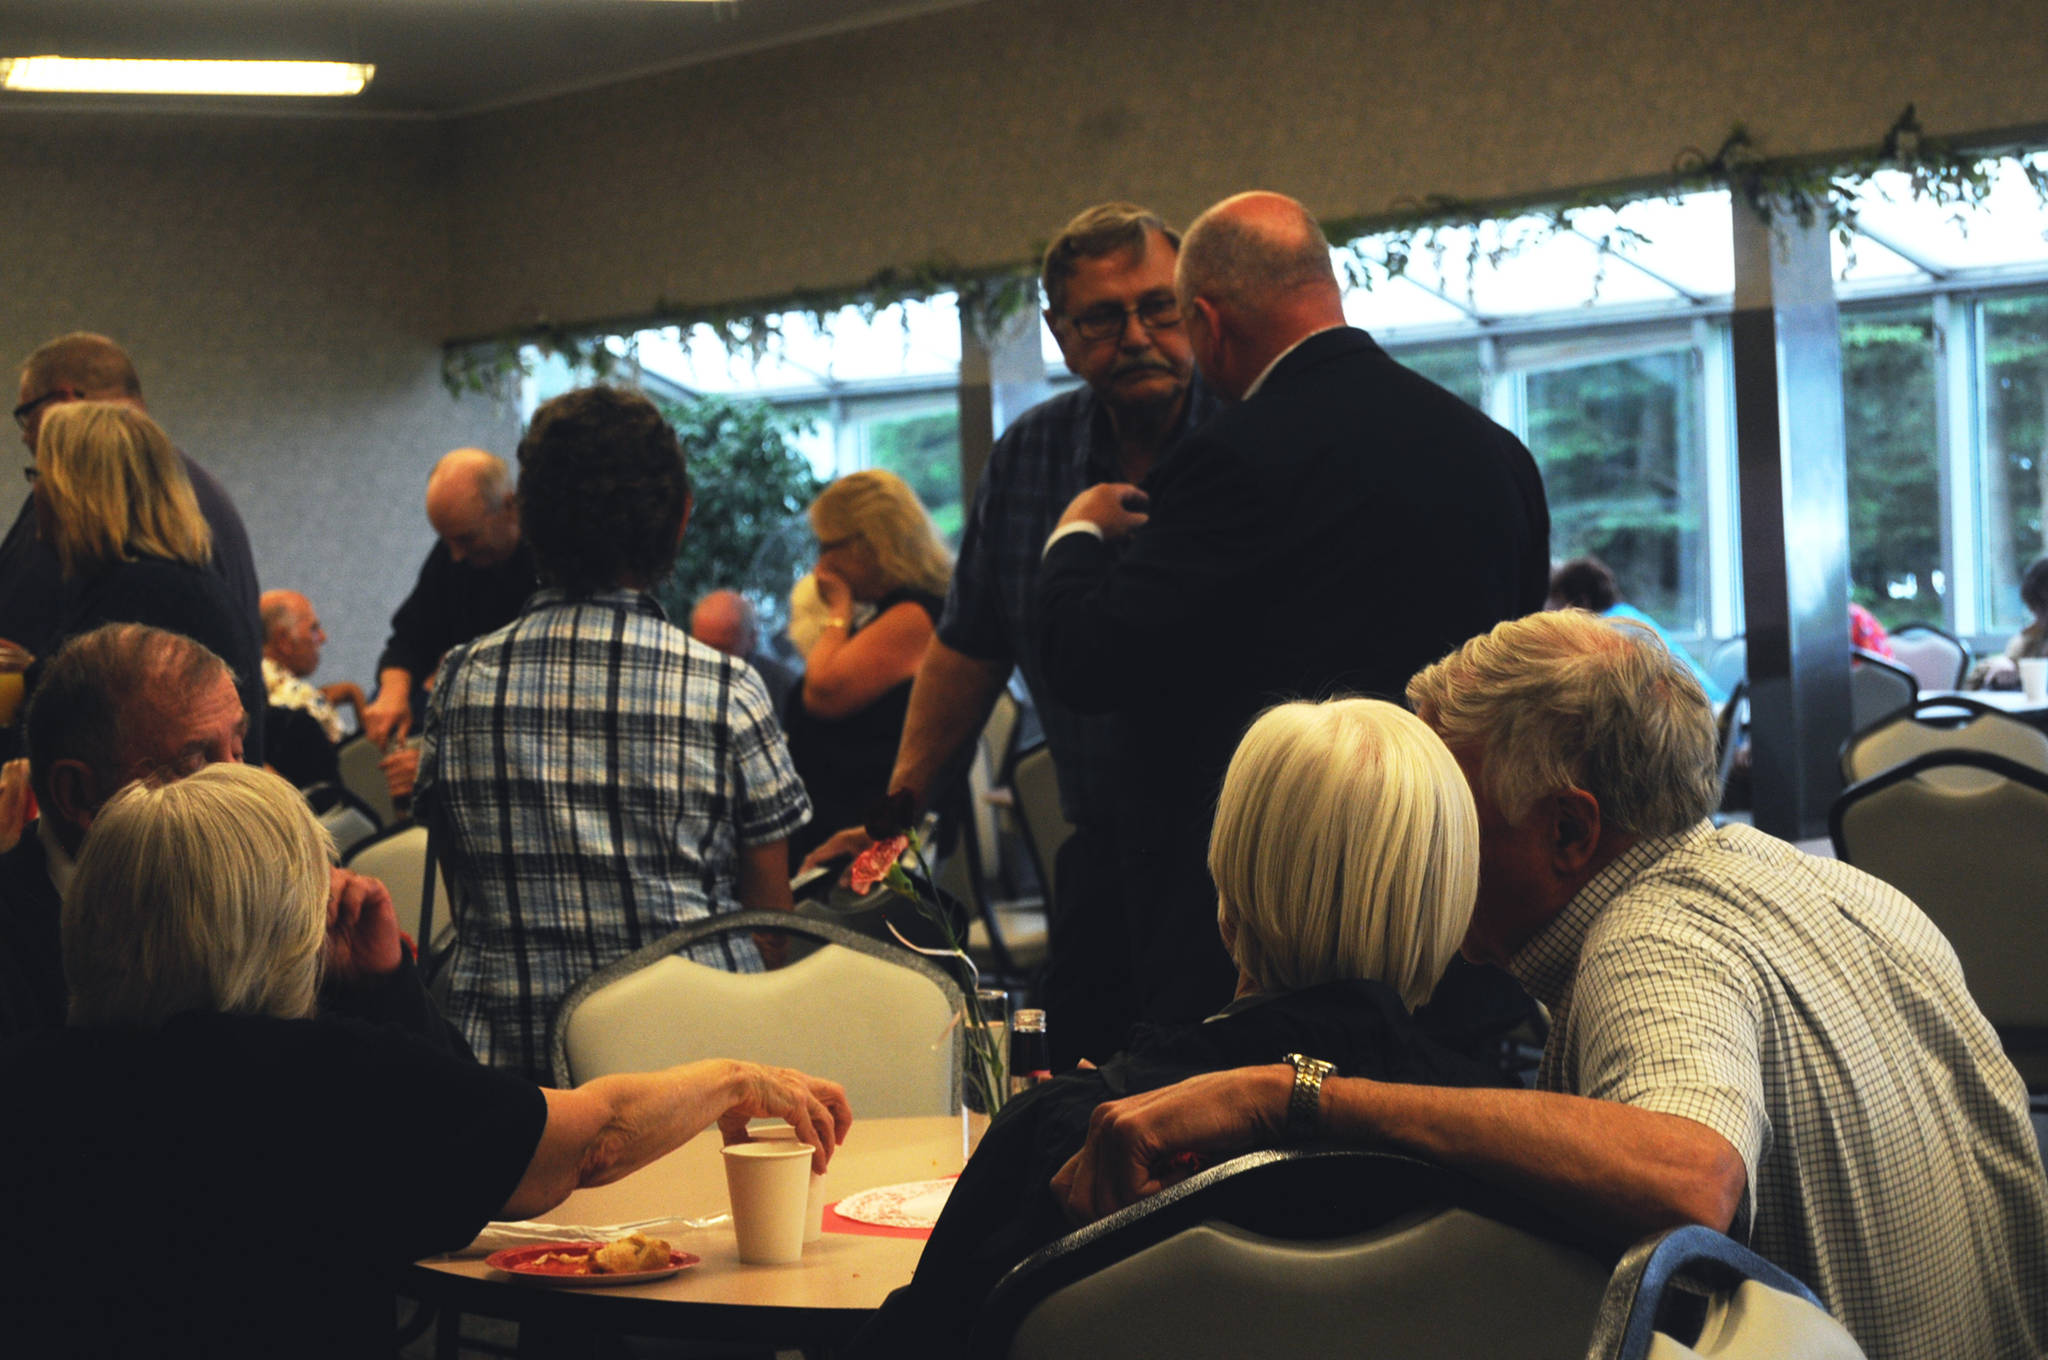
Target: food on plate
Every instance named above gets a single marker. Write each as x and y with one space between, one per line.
626 1256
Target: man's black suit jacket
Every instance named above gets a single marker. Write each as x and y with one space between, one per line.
1346 526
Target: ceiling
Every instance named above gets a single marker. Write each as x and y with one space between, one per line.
434 58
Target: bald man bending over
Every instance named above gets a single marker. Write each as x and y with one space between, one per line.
474 581
1343 524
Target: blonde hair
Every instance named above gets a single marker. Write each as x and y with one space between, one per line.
1345 846
807 614
881 510
206 894
116 487
1565 700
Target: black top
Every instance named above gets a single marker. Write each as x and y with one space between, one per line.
32 992
184 599
232 1185
451 603
845 763
1001 1210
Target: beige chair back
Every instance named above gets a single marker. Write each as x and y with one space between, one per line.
399 861
1037 787
357 759
1894 743
878 1020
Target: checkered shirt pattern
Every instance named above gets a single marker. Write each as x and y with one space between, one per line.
1814 1018
1049 455
595 772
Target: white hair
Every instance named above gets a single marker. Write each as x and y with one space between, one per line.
206 894
1566 700
1345 846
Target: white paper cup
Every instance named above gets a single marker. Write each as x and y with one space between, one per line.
2034 678
769 1183
814 1208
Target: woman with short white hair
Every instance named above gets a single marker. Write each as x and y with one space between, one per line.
1345 852
207 1170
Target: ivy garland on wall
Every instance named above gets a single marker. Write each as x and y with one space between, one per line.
1376 249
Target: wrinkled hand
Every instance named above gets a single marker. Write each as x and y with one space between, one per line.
388 717
815 1108
401 768
15 800
362 928
2001 672
1116 508
851 841
1138 1146
833 592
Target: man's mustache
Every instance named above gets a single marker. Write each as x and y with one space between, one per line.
1151 364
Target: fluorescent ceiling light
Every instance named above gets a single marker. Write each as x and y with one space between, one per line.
95 75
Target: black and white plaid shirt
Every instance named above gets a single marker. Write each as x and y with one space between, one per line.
1813 1017
597 772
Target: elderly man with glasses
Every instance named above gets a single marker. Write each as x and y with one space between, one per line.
1108 280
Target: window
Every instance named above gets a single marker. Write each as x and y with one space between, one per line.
1896 566
2014 364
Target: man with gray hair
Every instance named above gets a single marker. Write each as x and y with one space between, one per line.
475 579
121 703
1109 301
1338 474
1777 1046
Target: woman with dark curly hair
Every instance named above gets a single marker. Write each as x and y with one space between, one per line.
598 777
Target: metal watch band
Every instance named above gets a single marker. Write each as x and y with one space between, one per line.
1304 1102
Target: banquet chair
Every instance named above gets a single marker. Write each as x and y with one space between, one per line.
877 1019
342 815
1691 1292
1877 688
399 859
1306 1253
1938 658
1974 857
358 759
1943 723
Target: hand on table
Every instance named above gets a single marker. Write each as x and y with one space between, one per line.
851 841
1138 1146
1116 508
815 1108
363 939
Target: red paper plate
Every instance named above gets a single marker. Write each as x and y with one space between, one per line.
523 1262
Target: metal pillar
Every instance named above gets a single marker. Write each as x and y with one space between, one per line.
1001 377
1793 474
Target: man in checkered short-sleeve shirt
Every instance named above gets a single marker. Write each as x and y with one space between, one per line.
598 778
1777 1046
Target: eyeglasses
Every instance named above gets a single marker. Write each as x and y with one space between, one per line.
1159 312
30 473
29 408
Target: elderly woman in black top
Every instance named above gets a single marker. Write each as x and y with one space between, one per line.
207 1170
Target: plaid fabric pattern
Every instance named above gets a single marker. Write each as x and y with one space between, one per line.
1049 455
594 773
1814 1018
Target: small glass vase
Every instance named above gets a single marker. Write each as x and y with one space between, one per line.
985 1064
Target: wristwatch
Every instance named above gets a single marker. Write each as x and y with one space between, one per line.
1304 1102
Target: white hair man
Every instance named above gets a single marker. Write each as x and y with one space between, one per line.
1336 470
475 579
1743 1036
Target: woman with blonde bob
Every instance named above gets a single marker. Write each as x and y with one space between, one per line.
114 503
1346 857
286 1168
881 581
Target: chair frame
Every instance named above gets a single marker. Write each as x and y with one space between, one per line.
1300 1195
1981 760
1934 703
1628 1313
1962 667
1039 859
825 932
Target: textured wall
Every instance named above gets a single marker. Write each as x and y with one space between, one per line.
283 286
974 131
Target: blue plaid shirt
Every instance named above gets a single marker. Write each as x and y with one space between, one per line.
1049 455
593 773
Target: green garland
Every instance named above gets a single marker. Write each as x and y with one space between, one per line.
1375 249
